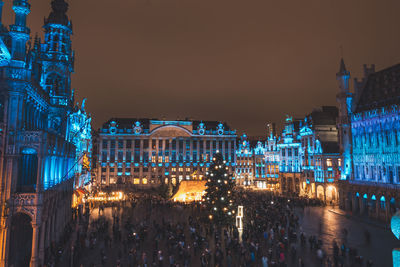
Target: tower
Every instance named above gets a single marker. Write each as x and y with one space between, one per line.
19 32
344 99
57 55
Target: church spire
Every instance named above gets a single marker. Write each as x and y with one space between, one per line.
58 14
342 69
19 31
343 77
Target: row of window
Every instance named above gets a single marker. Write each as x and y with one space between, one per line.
152 144
377 173
373 140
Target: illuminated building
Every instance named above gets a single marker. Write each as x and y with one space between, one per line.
290 158
37 145
145 153
259 166
271 162
244 171
321 163
371 135
80 133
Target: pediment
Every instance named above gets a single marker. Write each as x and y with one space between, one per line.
170 131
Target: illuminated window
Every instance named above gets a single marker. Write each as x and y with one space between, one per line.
188 169
340 162
329 162
174 181
144 181
181 169
173 169
136 181
160 159
166 181
153 159
180 178
166 159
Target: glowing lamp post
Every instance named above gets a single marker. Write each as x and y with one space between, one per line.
395 225
239 222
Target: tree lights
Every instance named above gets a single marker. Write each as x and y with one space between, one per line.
218 198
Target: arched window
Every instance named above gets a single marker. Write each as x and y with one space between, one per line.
28 165
382 203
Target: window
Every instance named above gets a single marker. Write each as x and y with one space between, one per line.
128 143
105 143
144 181
120 144
136 181
329 162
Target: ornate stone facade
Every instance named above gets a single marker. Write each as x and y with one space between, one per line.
146 153
37 143
374 115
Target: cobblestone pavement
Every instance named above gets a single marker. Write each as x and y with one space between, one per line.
319 221
328 226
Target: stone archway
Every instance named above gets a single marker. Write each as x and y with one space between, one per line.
20 240
331 194
320 192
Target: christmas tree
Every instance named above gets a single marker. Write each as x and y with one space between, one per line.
218 198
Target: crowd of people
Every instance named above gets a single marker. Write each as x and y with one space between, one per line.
149 231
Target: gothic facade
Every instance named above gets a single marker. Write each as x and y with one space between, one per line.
373 141
146 153
38 143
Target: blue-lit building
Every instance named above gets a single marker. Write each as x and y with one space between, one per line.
146 153
257 163
80 134
321 162
370 119
271 162
289 148
244 172
38 136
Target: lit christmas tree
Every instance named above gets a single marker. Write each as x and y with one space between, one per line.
218 198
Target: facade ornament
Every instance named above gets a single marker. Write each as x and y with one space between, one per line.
220 129
201 129
137 129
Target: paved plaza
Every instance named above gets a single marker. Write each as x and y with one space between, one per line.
321 222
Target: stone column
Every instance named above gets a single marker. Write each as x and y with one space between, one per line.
229 159
387 210
361 205
150 151
4 241
42 243
191 150
35 238
177 150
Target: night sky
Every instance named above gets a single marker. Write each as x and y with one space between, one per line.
245 62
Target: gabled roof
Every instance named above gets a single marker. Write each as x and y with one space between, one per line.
382 89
